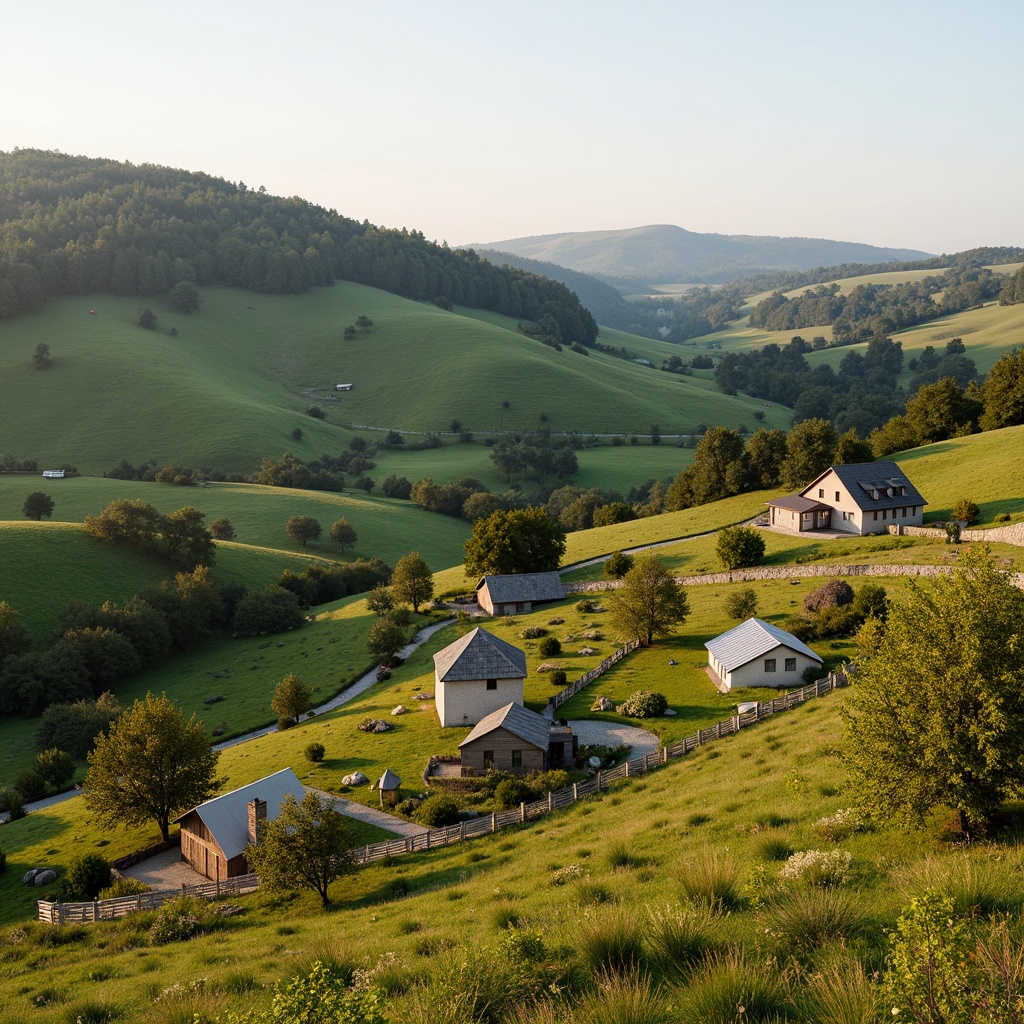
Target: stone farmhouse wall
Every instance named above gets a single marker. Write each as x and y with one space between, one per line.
1012 534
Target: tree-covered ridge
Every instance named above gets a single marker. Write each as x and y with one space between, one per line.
74 225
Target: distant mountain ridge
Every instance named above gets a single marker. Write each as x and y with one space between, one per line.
665 253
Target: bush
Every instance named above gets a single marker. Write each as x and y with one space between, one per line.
437 811
966 511
550 781
833 594
314 752
31 785
513 792
824 868
711 879
181 918
617 565
645 704
741 604
559 678
739 547
549 647
121 887
87 876
271 610
13 803
532 633
839 826
585 607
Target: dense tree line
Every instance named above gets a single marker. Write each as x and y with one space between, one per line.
877 308
322 582
180 536
1013 291
73 225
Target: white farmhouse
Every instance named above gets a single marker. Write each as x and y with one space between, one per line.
756 653
476 675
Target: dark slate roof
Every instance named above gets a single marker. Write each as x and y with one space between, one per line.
751 639
864 480
798 503
527 586
227 816
479 655
514 718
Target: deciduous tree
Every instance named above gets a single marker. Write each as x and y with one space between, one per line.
14 637
937 713
649 603
412 580
38 505
739 547
386 639
810 449
303 529
514 541
222 529
343 533
292 699
307 846
150 766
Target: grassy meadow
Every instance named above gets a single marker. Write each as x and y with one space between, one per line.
237 378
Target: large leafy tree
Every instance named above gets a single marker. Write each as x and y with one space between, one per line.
936 717
412 581
649 603
186 538
307 846
150 766
38 505
1003 391
810 449
385 640
739 546
14 637
292 699
514 541
303 529
343 533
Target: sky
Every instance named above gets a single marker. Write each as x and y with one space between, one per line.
895 123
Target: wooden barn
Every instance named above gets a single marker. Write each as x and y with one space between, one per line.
516 595
511 739
476 675
214 835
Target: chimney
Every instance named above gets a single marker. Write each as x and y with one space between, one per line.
257 819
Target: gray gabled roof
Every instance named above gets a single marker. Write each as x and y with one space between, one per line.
527 586
479 655
514 718
388 781
227 816
866 479
751 639
798 503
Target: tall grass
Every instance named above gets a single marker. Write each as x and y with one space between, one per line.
712 876
730 988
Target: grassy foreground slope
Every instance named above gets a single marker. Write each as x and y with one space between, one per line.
237 378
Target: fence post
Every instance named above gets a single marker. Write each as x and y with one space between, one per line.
664 755
718 730
599 782
462 830
575 793
627 767
95 910
494 822
522 812
551 800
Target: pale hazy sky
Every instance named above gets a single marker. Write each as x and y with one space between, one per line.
893 122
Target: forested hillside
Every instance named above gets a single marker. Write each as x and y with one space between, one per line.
75 226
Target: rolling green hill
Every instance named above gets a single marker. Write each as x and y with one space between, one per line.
237 379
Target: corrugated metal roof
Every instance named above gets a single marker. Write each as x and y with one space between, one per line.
527 586
227 817
514 718
479 655
751 639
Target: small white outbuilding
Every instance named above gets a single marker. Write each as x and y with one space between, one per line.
756 653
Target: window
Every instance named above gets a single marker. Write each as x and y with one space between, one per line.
488 758
769 664
821 492
791 664
845 514
885 513
904 511
517 759
492 684
837 495
875 514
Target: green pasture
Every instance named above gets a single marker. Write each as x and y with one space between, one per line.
237 378
386 528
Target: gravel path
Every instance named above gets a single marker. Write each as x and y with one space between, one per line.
352 809
613 733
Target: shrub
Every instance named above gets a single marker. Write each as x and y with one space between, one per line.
181 918
612 941
559 678
728 982
585 607
824 868
741 604
31 785
437 811
645 704
549 647
86 876
809 918
316 412
550 781
532 633
124 886
711 878
314 752
57 767
966 511
617 565
839 826
13 803
511 793
681 936
739 547
832 594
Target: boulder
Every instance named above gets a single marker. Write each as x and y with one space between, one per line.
586 652
47 876
604 704
355 779
29 877
670 712
424 696
400 710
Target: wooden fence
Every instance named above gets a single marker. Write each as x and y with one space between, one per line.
107 910
565 797
588 677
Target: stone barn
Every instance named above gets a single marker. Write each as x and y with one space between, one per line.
511 739
517 594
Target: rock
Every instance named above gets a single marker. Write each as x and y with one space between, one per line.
355 779
604 704
424 696
586 652
400 710
47 876
670 712
29 877
548 666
